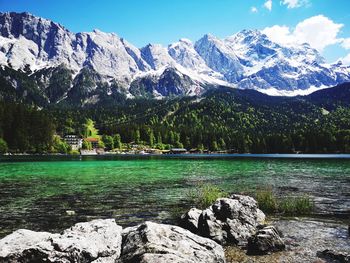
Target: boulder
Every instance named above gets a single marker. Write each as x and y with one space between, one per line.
25 246
266 240
98 240
189 220
334 256
231 220
151 242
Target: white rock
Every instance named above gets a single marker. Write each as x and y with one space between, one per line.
151 242
98 240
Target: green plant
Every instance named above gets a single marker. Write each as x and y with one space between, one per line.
288 205
297 205
3 146
266 200
205 195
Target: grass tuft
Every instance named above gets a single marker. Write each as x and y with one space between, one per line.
288 205
205 195
296 205
267 201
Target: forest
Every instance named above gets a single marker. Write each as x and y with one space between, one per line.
225 119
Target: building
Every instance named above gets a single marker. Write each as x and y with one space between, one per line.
74 141
94 142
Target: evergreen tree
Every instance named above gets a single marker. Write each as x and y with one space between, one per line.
137 137
108 142
3 146
159 138
214 146
117 141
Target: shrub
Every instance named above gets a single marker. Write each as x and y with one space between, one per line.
74 152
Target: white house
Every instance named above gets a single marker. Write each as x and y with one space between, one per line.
74 141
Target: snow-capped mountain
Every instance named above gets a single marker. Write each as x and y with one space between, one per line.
45 50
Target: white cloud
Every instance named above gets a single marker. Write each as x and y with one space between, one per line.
346 43
253 9
318 31
268 5
346 60
279 34
294 3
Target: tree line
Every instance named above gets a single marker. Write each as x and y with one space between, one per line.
219 121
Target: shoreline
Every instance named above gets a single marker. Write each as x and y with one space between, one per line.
188 155
295 240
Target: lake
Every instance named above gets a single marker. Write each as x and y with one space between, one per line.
36 191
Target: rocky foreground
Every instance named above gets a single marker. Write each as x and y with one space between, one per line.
235 222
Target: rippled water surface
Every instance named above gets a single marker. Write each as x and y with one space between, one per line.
36 192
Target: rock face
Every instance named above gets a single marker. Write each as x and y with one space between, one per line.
151 242
266 240
229 220
95 241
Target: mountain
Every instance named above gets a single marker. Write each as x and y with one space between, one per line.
43 62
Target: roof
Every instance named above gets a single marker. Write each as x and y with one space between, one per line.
71 136
91 139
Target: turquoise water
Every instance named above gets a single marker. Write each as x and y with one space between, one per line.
36 191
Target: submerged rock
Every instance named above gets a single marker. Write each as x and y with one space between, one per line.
84 242
70 213
231 220
334 256
266 240
151 242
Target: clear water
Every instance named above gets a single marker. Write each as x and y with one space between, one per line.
36 191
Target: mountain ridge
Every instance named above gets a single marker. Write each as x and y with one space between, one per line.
247 59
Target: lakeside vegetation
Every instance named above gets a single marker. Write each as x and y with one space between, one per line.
286 205
203 195
221 120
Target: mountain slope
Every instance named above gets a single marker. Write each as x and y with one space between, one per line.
223 118
42 50
332 97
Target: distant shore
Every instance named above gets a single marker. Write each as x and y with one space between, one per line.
186 155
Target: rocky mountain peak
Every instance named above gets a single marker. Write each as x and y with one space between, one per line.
247 59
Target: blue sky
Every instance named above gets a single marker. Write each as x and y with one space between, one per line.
165 21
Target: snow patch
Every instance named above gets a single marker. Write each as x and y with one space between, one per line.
291 93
